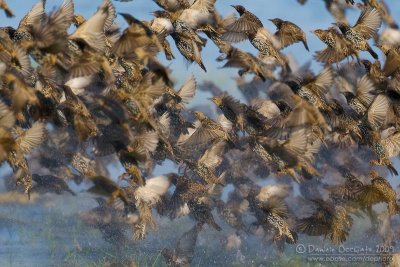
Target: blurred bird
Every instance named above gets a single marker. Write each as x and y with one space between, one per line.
365 28
184 250
9 13
289 33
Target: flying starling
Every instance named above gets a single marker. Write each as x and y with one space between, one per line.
50 183
313 89
247 62
184 250
379 190
7 10
379 148
289 33
329 219
365 28
273 212
363 96
249 26
338 48
209 130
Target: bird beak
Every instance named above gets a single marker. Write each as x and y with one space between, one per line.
233 6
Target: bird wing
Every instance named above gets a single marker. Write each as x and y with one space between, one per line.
364 89
202 135
92 30
148 141
186 243
212 157
188 90
7 118
297 143
288 35
31 138
203 5
313 226
378 110
392 145
33 17
323 81
155 187
368 22
236 30
370 196
392 62
329 55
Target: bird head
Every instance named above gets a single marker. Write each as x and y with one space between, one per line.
161 14
319 33
200 115
367 64
78 20
217 100
294 85
9 30
348 95
278 22
282 105
240 9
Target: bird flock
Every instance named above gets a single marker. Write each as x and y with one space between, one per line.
301 153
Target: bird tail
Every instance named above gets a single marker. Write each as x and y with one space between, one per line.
292 238
305 45
393 208
202 65
372 52
392 169
71 192
215 225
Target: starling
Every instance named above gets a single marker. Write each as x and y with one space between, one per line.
200 210
313 89
383 10
183 253
245 61
362 98
365 28
337 48
50 183
391 67
379 190
229 106
108 221
274 212
246 24
379 148
208 131
15 149
3 5
92 31
185 190
329 220
289 33
143 35
249 26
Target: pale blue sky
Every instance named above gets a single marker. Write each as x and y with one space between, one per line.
309 17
